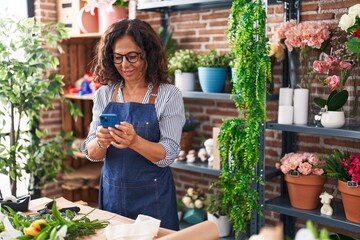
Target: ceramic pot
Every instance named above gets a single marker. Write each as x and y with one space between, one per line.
222 222
333 119
194 215
88 23
185 81
109 15
304 190
350 198
212 79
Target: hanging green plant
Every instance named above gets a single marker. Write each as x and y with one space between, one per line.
239 143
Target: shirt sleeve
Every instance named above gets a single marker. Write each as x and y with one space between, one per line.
171 121
101 99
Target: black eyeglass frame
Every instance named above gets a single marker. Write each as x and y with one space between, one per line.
138 55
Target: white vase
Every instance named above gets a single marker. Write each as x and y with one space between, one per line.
333 119
222 223
185 81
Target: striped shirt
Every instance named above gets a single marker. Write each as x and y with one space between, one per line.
169 107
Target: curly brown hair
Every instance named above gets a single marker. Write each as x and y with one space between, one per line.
145 37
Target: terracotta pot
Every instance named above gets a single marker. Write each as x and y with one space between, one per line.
304 190
186 140
110 15
350 198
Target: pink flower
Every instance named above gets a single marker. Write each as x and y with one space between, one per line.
317 171
305 168
302 162
345 65
333 82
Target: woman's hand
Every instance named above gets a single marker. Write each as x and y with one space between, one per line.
124 135
104 137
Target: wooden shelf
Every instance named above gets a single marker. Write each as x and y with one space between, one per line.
80 97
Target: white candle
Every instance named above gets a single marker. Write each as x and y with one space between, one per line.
286 96
301 105
285 114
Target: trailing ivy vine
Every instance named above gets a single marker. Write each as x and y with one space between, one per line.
239 143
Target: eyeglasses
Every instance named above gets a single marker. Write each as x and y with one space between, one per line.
131 57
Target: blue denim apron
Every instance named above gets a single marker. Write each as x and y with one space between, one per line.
130 184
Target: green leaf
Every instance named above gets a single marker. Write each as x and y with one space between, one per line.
320 102
337 100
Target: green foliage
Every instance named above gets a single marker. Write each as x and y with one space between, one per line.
184 60
333 168
122 3
335 101
214 59
27 85
214 204
239 138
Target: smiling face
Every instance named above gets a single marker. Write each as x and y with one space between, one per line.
131 72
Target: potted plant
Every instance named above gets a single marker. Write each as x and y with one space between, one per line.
193 201
109 11
183 64
188 131
217 212
239 144
27 86
212 71
304 178
345 167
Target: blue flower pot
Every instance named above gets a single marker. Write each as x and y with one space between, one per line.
212 80
194 215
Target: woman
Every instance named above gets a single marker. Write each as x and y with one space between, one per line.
136 178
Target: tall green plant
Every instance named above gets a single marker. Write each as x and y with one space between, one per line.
29 84
239 138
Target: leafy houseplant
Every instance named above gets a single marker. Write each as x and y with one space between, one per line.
183 60
218 212
212 71
239 144
183 64
26 86
345 168
188 131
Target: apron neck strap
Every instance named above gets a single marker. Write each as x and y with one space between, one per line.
113 99
153 94
152 98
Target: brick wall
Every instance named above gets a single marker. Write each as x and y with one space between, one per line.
201 31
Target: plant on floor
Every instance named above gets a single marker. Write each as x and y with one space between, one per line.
28 85
239 138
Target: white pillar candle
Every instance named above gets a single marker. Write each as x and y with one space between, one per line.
285 114
301 105
286 96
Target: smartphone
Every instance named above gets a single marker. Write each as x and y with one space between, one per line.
108 120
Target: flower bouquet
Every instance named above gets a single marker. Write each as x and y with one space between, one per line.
303 174
351 23
194 202
339 95
345 168
303 37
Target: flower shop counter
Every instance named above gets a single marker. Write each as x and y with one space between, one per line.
207 230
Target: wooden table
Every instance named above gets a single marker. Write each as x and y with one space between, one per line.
206 230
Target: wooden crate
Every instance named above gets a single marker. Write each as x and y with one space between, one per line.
74 63
68 13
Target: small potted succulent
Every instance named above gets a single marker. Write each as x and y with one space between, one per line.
183 64
212 70
218 212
